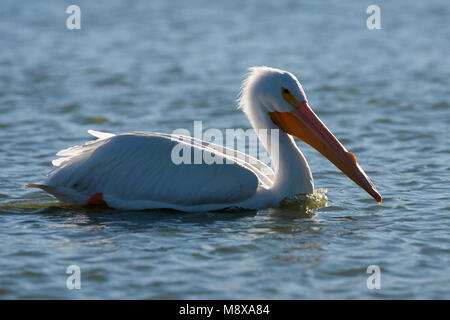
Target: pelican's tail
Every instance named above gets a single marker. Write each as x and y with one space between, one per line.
63 194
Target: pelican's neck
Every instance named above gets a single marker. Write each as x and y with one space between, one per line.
292 173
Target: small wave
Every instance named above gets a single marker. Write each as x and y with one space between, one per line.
307 203
28 206
34 202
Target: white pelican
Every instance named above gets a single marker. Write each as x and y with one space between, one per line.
134 170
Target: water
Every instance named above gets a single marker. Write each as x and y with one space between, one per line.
160 65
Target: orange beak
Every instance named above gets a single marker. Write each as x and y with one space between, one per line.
303 123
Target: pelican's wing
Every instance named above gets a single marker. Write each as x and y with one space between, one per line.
264 173
138 168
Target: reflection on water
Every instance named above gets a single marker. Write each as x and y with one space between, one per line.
158 66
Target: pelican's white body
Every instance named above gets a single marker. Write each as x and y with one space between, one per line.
135 170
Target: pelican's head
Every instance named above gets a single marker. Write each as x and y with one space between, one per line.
282 98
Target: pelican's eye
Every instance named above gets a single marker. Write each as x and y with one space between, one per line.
289 97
